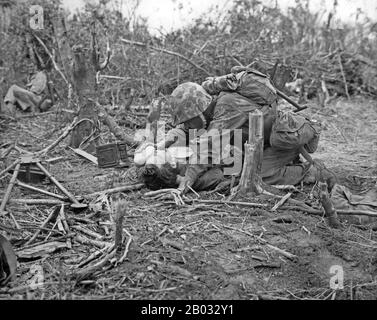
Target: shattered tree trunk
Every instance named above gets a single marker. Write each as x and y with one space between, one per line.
81 70
250 180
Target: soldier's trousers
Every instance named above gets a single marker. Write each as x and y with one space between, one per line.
278 167
24 98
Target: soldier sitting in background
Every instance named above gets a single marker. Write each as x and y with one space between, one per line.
31 98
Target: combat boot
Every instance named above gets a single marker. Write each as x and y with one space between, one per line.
318 172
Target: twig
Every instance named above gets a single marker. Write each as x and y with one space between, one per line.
130 238
118 189
167 52
247 204
52 58
84 240
99 264
283 252
344 77
53 214
37 201
65 225
57 141
281 201
88 232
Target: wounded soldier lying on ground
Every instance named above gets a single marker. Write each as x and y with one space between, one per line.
281 162
165 168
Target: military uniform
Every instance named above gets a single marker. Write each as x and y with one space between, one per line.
224 113
26 99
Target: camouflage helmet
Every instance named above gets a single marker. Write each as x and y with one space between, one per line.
188 100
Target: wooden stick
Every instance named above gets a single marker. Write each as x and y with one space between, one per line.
281 251
8 192
37 201
343 76
10 167
57 141
113 126
65 225
118 189
87 241
26 186
7 151
53 214
88 232
247 204
57 183
99 264
167 52
130 238
328 206
281 201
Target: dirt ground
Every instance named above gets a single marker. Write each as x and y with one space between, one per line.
203 251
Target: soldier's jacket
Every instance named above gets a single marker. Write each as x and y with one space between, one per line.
38 82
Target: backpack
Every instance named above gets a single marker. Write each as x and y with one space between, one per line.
291 131
249 83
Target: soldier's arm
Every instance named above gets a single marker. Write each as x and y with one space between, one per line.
214 85
211 144
176 135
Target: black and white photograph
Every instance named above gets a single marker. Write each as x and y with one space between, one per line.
188 156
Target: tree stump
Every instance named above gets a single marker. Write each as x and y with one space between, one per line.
328 206
81 69
250 180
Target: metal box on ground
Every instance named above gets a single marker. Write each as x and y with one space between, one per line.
112 155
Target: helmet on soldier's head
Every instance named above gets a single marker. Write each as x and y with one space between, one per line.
188 100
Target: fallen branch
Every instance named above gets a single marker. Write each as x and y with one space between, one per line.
87 241
281 201
113 126
140 44
319 212
130 238
343 76
65 226
57 141
281 251
238 203
90 269
37 201
118 189
52 216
